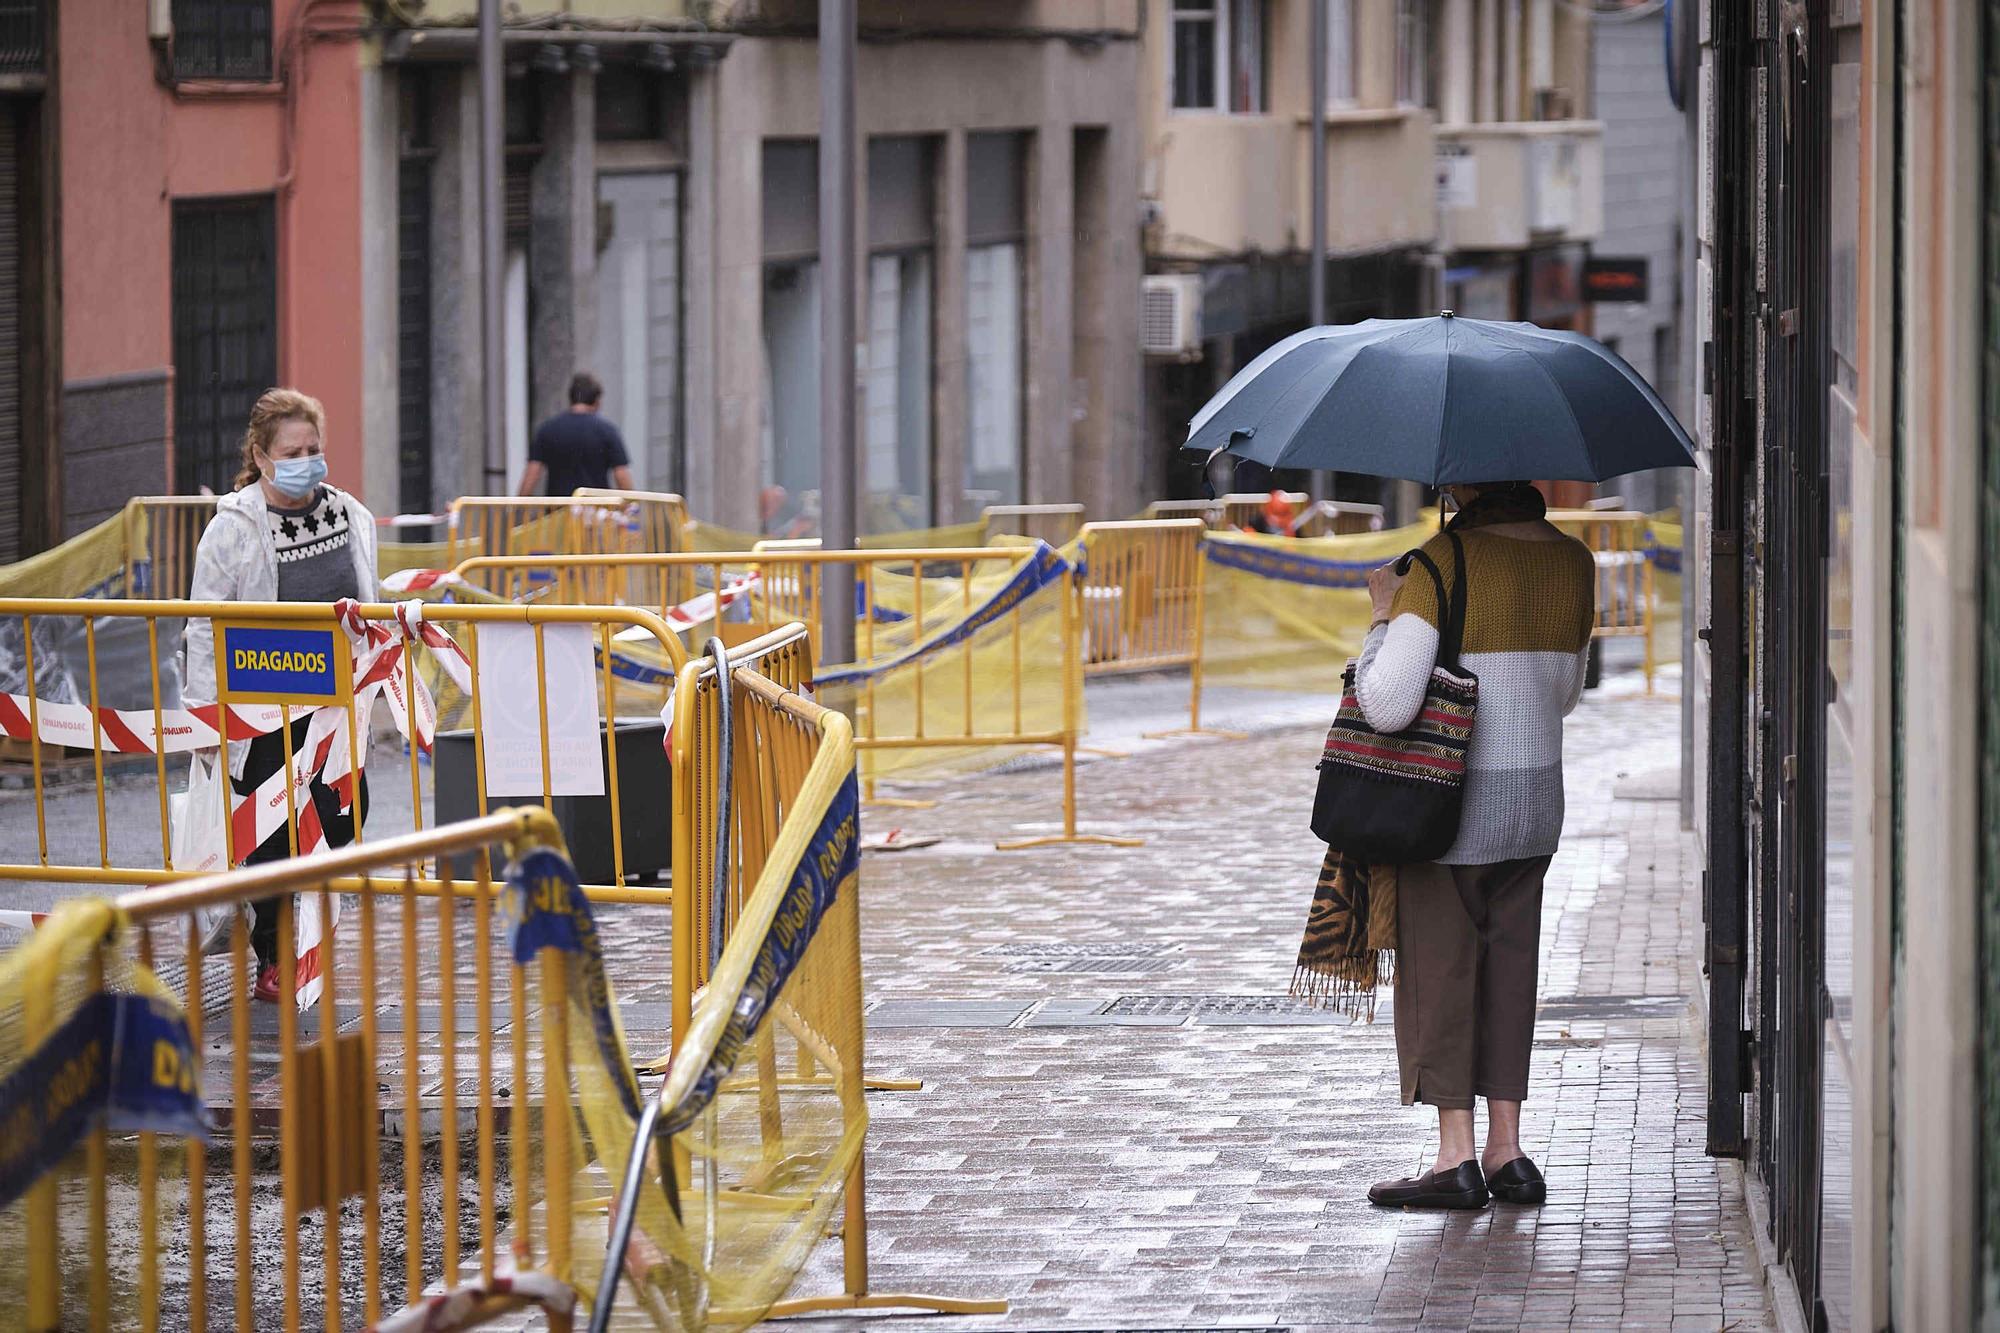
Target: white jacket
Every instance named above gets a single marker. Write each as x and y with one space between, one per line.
238 562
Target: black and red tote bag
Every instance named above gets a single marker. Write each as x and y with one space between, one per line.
1396 799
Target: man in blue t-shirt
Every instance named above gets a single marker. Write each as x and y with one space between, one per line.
577 447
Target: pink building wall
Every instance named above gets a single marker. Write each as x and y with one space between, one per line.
130 147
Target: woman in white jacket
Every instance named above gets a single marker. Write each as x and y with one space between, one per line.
284 535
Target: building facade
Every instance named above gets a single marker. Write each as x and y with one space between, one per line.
663 231
175 191
1847 677
1226 112
1646 197
256 192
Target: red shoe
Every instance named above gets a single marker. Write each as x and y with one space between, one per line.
266 988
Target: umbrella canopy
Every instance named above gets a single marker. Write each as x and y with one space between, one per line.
1444 400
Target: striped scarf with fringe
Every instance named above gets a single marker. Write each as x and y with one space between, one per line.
1350 942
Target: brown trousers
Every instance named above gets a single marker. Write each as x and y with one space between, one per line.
1467 941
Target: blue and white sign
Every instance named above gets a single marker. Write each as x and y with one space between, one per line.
282 663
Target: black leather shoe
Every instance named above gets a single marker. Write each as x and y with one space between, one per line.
1462 1187
1519 1182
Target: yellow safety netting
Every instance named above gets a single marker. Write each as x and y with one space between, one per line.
83 566
1288 613
89 1040
990 666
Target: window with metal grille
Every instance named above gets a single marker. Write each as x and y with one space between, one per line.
22 33
225 320
222 39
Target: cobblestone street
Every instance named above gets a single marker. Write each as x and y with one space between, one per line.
1124 1124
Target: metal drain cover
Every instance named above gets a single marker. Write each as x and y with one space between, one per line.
1106 949
1222 1006
1102 966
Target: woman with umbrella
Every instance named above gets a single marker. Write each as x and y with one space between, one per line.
1470 407
1469 923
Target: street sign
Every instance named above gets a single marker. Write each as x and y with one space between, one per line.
1616 279
281 663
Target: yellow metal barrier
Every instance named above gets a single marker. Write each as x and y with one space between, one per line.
1620 542
957 650
764 1101
486 525
1242 509
94 826
657 521
1338 518
1205 510
1055 524
1141 594
164 531
1144 603
337 1186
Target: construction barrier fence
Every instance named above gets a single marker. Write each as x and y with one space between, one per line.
477 705
1142 595
405 1153
759 1128
1626 595
963 656
1056 524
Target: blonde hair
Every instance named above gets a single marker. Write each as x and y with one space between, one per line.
275 407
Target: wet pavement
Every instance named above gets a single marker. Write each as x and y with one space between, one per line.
1125 1124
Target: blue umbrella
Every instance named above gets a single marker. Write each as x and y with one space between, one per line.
1444 400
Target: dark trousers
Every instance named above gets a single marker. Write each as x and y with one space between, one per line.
1467 946
267 756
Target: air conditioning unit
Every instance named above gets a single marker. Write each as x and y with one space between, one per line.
1170 315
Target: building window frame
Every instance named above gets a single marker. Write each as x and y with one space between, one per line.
222 314
228 40
1417 73
1343 88
1232 40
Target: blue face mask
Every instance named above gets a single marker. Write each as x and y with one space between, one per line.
296 477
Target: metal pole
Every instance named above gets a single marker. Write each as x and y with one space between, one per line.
836 320
1322 482
492 250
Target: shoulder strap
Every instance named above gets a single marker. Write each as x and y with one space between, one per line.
1451 606
1437 582
1452 632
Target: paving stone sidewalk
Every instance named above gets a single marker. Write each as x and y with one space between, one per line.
1123 1125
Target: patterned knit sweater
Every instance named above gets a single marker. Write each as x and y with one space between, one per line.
1529 610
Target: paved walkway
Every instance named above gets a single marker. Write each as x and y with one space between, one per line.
1124 1125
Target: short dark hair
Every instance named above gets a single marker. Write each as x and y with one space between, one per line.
585 388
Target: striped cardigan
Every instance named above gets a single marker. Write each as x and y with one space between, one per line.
1527 630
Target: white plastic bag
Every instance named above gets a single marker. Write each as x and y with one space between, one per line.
200 845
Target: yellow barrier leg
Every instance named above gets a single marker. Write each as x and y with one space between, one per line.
1072 690
869 798
1194 727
